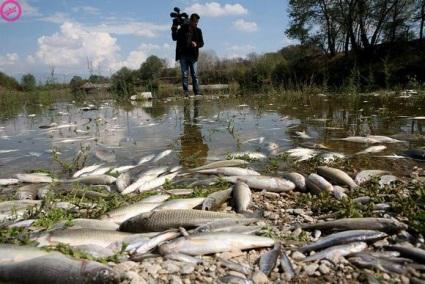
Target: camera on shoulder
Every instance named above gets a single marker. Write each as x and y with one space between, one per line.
179 19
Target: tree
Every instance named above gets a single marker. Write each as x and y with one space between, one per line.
75 84
151 68
124 83
28 82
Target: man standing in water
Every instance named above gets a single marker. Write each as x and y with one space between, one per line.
189 41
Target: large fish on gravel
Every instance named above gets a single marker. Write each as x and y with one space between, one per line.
99 179
372 149
268 183
380 224
14 253
336 175
334 253
169 219
416 254
268 260
186 203
34 178
76 237
8 181
343 238
367 175
241 196
384 139
57 268
216 199
297 179
121 214
123 181
221 164
317 184
385 264
210 243
81 223
230 171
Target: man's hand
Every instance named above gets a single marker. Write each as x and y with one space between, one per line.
194 44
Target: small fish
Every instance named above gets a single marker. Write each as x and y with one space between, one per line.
99 179
343 238
215 199
241 196
87 170
183 258
8 151
359 139
380 224
413 253
123 181
303 135
250 155
367 260
219 164
336 175
372 149
268 260
334 253
230 171
122 169
259 140
162 155
209 243
317 184
384 139
34 178
143 178
187 203
302 154
180 191
273 184
157 182
146 159
287 267
153 243
297 179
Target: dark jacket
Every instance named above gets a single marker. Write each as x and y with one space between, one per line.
184 40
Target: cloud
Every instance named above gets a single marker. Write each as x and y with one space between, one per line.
131 28
9 59
56 18
245 26
87 10
214 9
135 57
287 41
74 44
238 51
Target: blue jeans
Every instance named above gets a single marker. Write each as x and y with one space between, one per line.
189 63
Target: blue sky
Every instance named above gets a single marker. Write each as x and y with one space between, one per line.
111 34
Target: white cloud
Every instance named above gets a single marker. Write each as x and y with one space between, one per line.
214 9
74 44
135 57
9 59
238 51
287 41
131 28
245 26
86 9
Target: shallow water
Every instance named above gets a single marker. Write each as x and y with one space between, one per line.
208 129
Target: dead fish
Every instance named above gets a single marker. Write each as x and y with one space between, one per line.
297 179
157 182
259 139
123 181
81 223
99 179
216 199
339 192
8 181
86 170
122 169
249 155
230 171
146 159
268 260
180 191
287 267
241 196
380 224
384 139
156 198
268 183
330 157
367 175
57 268
183 258
240 229
317 184
187 203
222 225
209 243
28 192
233 279
162 155
343 238
170 219
387 180
334 253
302 154
336 175
303 135
143 178
16 208
153 243
220 164
372 149
121 214
99 171
232 265
359 139
94 250
14 253
414 253
34 178
366 260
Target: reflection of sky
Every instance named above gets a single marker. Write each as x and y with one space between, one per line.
224 125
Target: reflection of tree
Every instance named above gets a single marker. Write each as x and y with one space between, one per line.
193 149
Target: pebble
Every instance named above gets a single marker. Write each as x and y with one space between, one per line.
187 268
170 267
324 269
311 269
153 269
297 256
135 278
297 232
259 278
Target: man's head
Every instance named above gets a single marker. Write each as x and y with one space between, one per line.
194 19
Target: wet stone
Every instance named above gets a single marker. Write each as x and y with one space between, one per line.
324 269
259 278
311 269
297 256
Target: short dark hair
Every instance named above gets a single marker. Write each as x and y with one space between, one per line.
194 16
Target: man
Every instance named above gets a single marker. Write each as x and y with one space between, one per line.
189 41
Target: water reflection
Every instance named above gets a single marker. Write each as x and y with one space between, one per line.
194 150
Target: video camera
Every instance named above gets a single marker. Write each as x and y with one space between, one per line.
179 19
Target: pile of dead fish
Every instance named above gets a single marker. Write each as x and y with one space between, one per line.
185 229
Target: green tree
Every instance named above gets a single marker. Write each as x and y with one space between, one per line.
123 83
151 68
28 82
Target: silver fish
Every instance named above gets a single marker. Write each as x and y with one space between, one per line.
219 164
183 258
268 183
241 196
14 253
8 181
99 179
34 178
317 184
170 219
297 179
121 214
123 181
210 243
336 175
187 203
414 253
367 175
343 238
143 178
215 199
157 182
146 159
380 224
359 139
180 191
268 260
287 267
366 260
372 149
154 242
87 170
230 171
162 155
81 223
156 198
250 155
384 139
334 253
